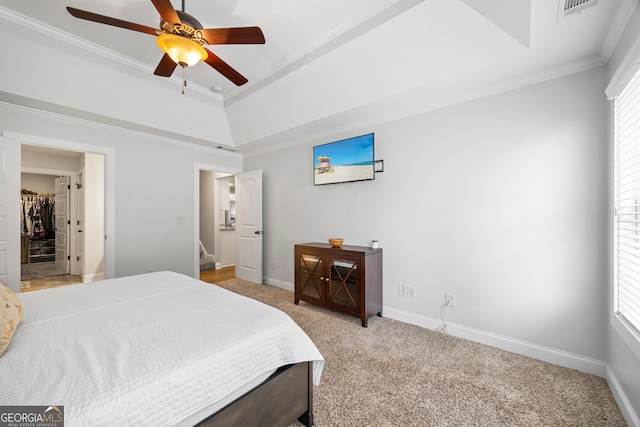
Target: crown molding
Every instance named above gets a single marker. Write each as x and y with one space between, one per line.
128 129
262 146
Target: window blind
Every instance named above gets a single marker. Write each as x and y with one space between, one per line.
626 192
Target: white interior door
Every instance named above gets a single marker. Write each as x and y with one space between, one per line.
9 214
61 211
249 226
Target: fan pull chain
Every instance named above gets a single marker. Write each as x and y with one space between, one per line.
184 78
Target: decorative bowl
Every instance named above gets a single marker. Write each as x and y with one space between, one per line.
336 242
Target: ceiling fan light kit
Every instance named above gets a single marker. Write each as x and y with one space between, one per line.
184 52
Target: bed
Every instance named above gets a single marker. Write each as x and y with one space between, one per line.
159 349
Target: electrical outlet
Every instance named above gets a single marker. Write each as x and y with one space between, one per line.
449 300
402 291
410 292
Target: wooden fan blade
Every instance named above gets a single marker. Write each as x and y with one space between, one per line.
101 19
225 69
240 35
166 11
165 67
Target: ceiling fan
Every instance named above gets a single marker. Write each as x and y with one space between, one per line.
182 38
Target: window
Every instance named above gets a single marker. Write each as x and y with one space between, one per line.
626 193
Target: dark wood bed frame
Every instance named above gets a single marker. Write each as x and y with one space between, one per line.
286 396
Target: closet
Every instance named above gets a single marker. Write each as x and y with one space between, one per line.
44 238
37 227
79 239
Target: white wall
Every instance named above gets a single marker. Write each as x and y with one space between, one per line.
500 201
154 185
48 161
38 183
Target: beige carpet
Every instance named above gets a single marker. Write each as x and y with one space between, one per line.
396 374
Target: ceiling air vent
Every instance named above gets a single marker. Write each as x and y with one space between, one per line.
572 7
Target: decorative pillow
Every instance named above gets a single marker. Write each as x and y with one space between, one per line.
10 316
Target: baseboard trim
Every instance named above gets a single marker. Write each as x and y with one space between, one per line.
92 277
547 354
621 399
279 284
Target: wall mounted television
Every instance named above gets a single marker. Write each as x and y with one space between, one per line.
347 160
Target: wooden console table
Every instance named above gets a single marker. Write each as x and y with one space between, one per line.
346 279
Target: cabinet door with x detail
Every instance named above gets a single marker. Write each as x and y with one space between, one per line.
310 270
343 292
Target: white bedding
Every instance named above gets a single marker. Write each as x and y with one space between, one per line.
152 349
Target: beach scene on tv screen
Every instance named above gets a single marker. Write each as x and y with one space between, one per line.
344 161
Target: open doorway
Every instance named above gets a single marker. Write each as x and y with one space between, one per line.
217 222
228 215
57 250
